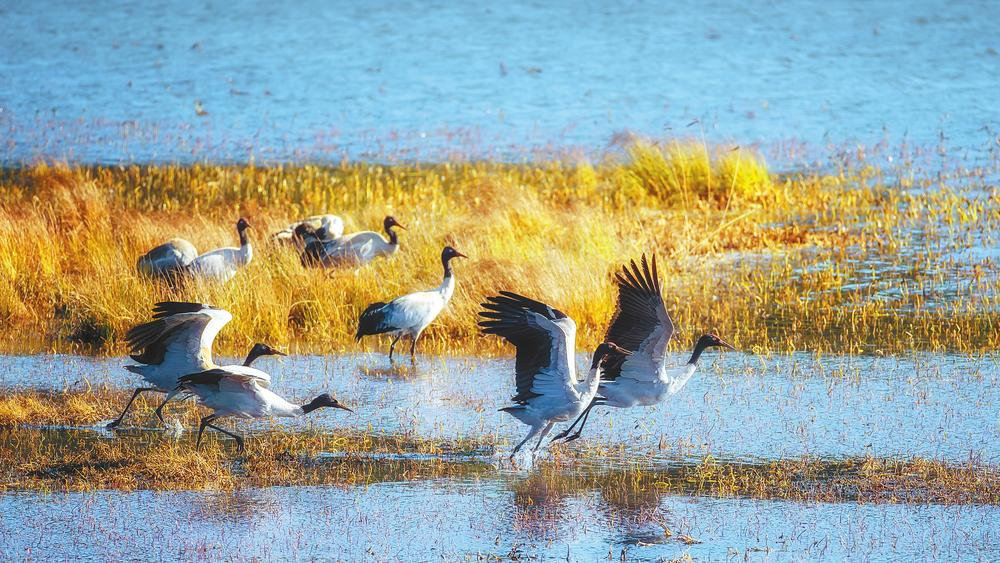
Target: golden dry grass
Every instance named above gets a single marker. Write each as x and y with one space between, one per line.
845 261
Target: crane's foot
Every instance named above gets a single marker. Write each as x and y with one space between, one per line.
113 424
573 437
559 436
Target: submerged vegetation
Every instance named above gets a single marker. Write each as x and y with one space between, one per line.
845 258
55 456
59 459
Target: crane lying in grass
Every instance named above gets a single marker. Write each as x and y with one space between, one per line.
545 338
410 314
242 392
178 258
168 261
355 249
222 264
178 341
642 326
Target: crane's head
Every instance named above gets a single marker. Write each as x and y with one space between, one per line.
605 349
391 222
324 400
448 253
710 340
260 349
242 224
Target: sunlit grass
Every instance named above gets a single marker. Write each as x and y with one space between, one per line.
838 261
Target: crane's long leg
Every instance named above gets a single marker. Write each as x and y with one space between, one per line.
582 418
545 432
239 439
413 347
392 347
531 434
201 429
586 416
114 423
207 422
159 409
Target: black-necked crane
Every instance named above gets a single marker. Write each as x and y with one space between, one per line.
178 341
355 249
642 326
169 260
331 227
242 392
223 263
548 390
410 314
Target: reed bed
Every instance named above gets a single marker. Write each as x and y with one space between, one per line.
841 259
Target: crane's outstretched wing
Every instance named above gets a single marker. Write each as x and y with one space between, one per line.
640 324
545 339
179 336
222 376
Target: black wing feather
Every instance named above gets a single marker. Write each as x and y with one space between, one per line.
372 321
507 316
207 377
635 318
165 309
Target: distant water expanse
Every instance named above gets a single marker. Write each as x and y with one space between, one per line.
109 81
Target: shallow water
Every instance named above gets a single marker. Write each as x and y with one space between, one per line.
456 519
115 80
737 407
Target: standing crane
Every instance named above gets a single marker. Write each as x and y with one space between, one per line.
410 314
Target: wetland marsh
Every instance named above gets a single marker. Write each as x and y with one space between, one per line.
818 182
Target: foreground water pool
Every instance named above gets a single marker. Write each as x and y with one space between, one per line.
739 407
462 520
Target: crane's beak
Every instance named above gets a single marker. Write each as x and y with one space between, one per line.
343 407
400 226
460 255
279 353
727 345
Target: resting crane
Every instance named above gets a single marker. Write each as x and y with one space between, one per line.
223 263
355 249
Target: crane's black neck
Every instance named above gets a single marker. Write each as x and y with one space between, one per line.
446 262
393 238
253 355
311 405
323 400
700 347
244 239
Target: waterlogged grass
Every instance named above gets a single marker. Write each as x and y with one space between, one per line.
68 460
43 447
847 259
